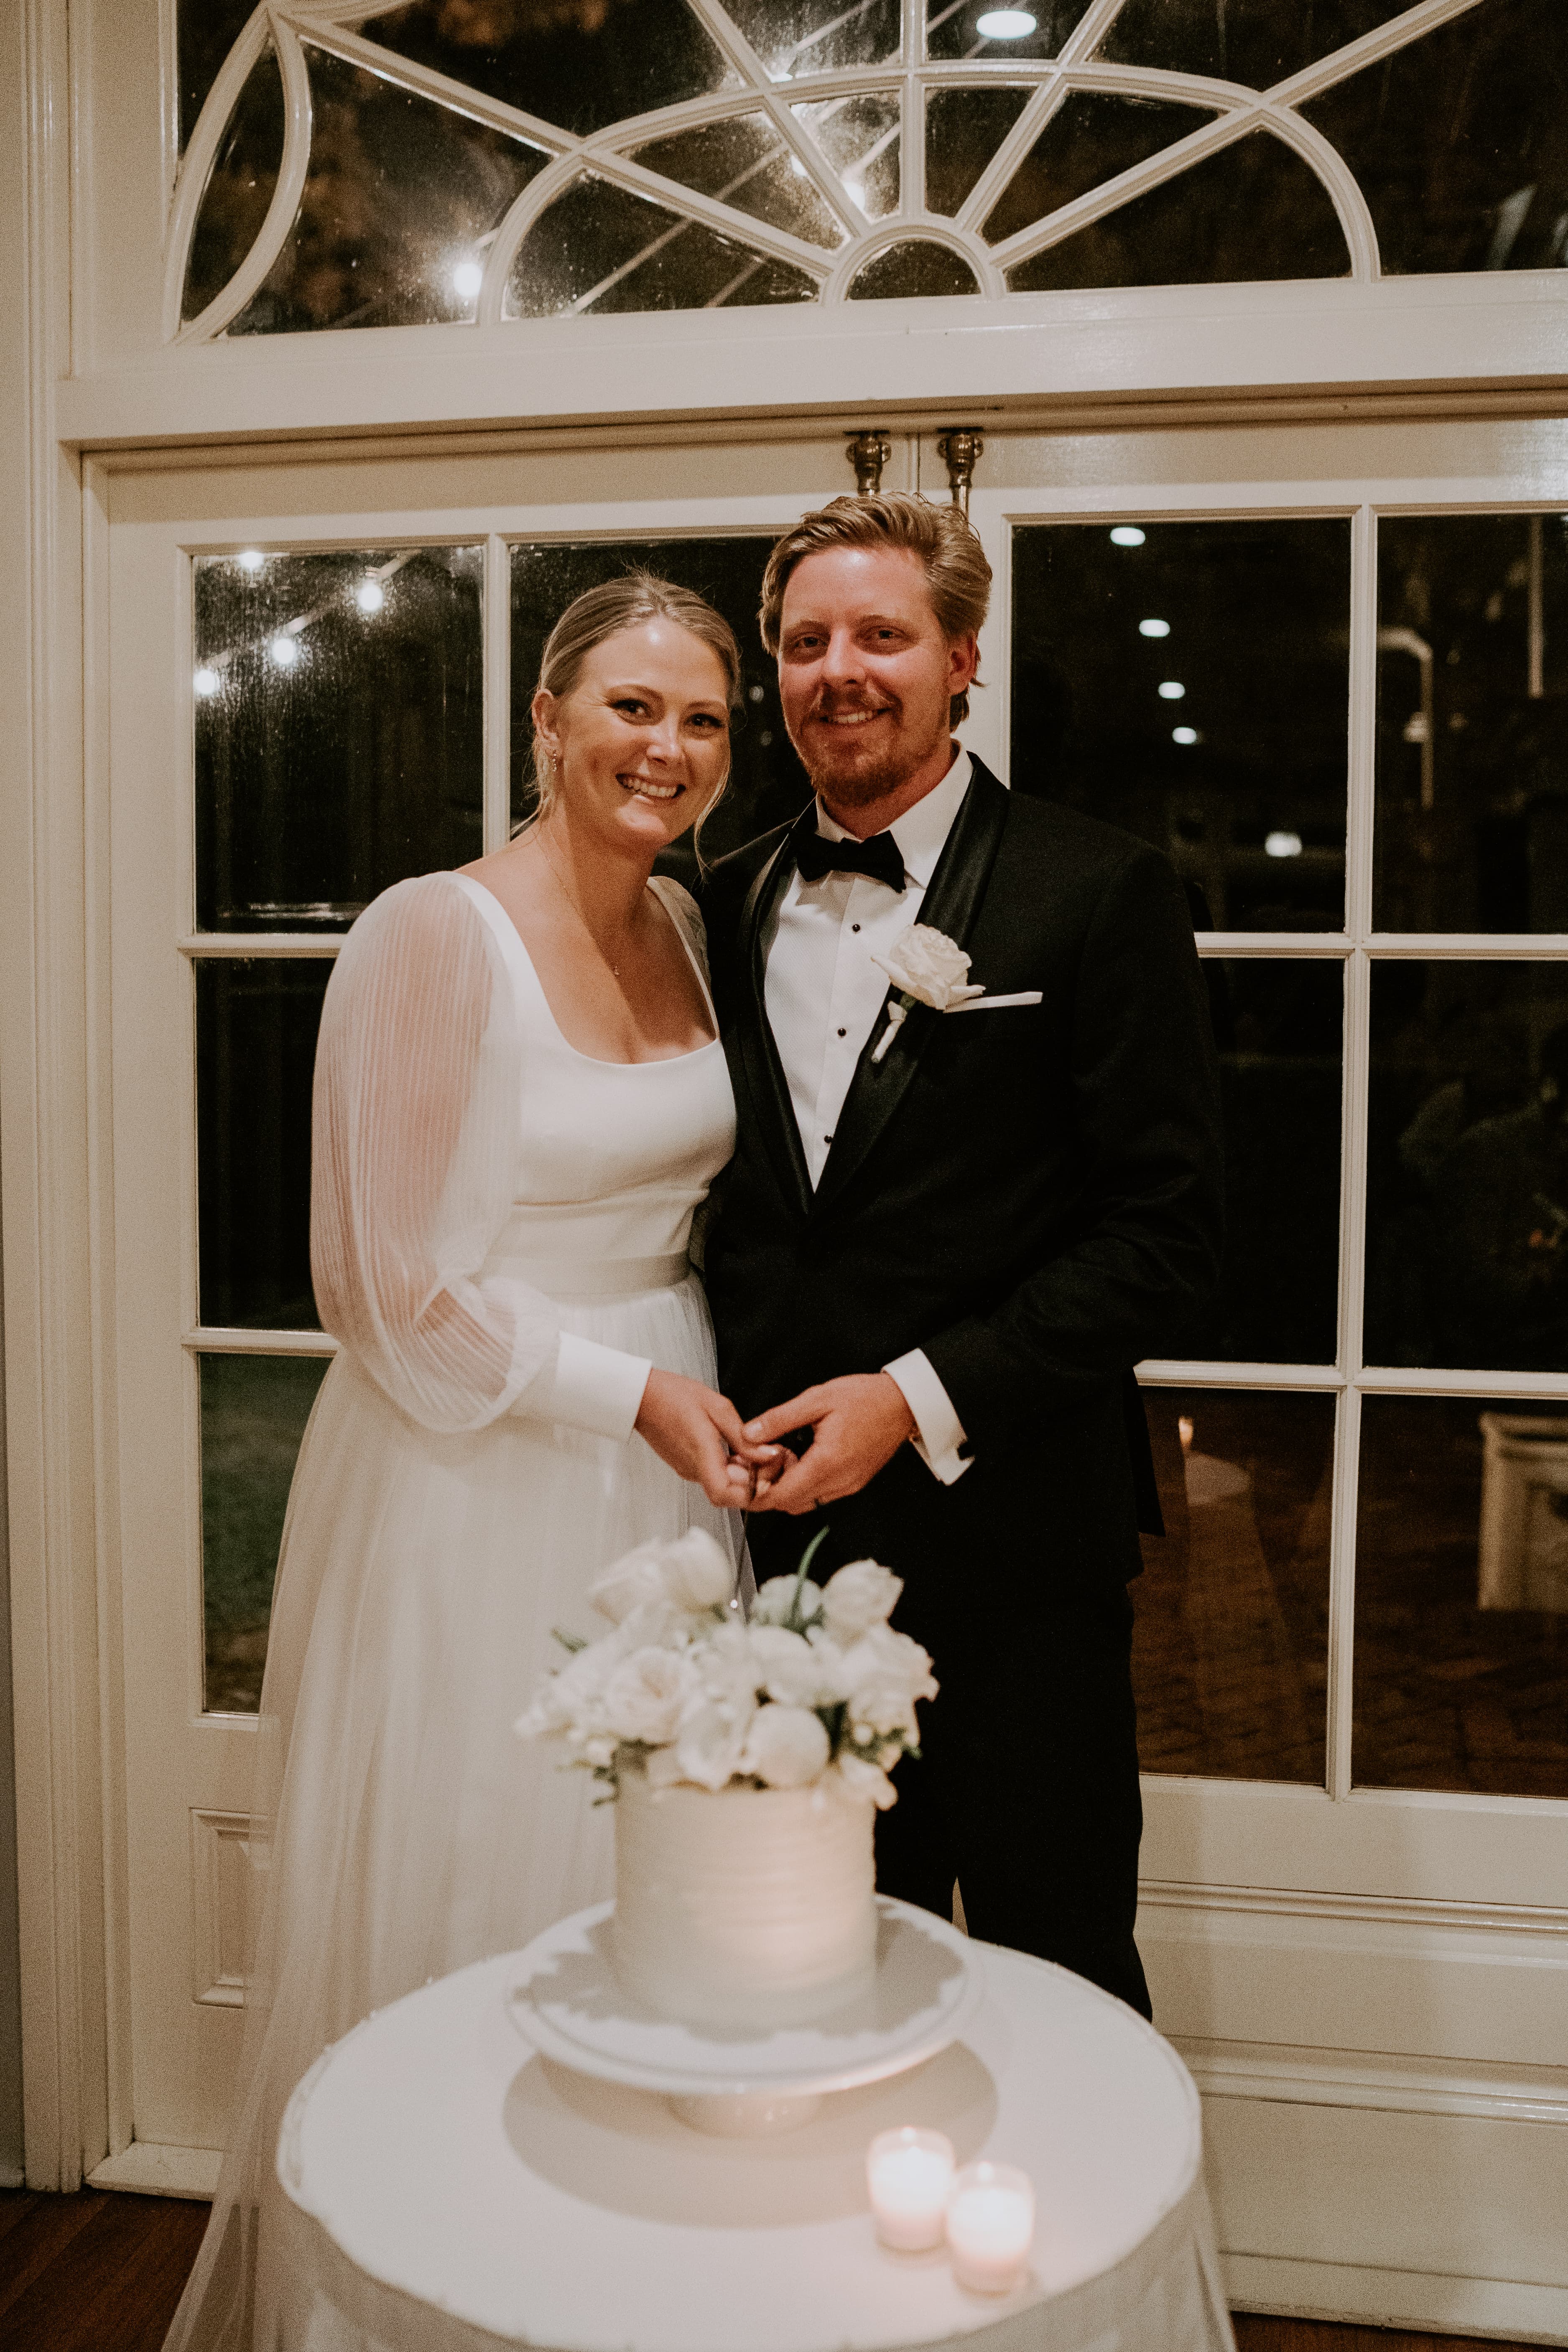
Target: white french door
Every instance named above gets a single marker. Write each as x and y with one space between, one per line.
317 672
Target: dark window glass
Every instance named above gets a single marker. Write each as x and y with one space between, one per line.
401 204
1472 723
1467 1250
208 30
339 729
600 248
1253 211
253 1412
239 187
1238 776
255 1052
768 785
915 267
580 68
1229 1657
1279 1026
1090 138
746 164
964 128
1461 1597
1258 42
1461 141
860 136
952 29
807 36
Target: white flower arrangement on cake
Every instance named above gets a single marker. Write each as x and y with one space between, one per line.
816 1690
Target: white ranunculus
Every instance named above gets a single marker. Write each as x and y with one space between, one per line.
775 1600
929 966
647 1694
858 1779
860 1595
689 1572
600 1751
711 1745
788 1746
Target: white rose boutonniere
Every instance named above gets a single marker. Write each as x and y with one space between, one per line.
927 968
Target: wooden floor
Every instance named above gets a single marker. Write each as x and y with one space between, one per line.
102 2272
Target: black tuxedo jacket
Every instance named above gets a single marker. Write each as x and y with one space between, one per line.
1031 1195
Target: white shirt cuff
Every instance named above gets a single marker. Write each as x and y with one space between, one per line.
588 1387
939 1430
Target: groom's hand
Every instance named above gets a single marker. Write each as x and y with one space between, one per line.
857 1426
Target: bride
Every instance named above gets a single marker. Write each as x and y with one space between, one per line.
520 1101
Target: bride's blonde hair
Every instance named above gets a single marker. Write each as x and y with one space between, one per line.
600 613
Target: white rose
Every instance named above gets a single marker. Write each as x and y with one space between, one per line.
794 1671
862 1595
776 1601
881 1655
786 1747
929 966
883 1706
690 1572
646 1695
858 1779
711 1745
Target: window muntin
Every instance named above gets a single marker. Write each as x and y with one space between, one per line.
1170 145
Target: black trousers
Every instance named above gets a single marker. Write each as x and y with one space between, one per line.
1026 1789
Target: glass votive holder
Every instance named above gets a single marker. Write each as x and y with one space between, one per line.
990 2226
909 2174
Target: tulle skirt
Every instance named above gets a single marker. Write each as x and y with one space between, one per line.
400 1827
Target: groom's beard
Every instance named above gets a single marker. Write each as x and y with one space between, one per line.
849 773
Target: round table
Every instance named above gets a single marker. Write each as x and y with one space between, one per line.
448 2189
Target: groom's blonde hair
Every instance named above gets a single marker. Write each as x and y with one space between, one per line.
957 575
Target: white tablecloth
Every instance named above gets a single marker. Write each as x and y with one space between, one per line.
447 2190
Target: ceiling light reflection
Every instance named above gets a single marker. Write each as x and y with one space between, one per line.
250 559
206 681
1171 689
467 279
1153 628
1126 534
1283 844
284 650
1184 735
370 595
1005 25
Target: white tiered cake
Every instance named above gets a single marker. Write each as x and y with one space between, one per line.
743 1906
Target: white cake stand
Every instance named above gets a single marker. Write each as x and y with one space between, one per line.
565 2000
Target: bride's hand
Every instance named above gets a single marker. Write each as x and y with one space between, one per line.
698 1432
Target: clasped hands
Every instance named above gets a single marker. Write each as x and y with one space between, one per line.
857 1424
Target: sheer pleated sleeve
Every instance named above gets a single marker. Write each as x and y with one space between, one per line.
416 1132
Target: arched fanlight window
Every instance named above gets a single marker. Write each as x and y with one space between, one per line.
429 161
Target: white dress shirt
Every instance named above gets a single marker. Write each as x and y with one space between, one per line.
823 995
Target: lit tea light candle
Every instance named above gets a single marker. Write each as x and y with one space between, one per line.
990 2226
909 2174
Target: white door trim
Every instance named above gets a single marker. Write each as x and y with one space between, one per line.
48 1136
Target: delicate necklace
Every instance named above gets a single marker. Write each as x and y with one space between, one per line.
569 896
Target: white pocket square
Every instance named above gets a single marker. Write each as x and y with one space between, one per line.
998 1003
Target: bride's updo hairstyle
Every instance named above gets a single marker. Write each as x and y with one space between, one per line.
600 613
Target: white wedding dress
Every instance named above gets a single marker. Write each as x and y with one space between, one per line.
499 1232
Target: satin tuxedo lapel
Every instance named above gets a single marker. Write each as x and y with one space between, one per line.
766 1082
951 904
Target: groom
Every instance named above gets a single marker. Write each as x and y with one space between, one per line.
946 1261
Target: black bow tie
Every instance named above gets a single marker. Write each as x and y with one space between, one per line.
880 858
